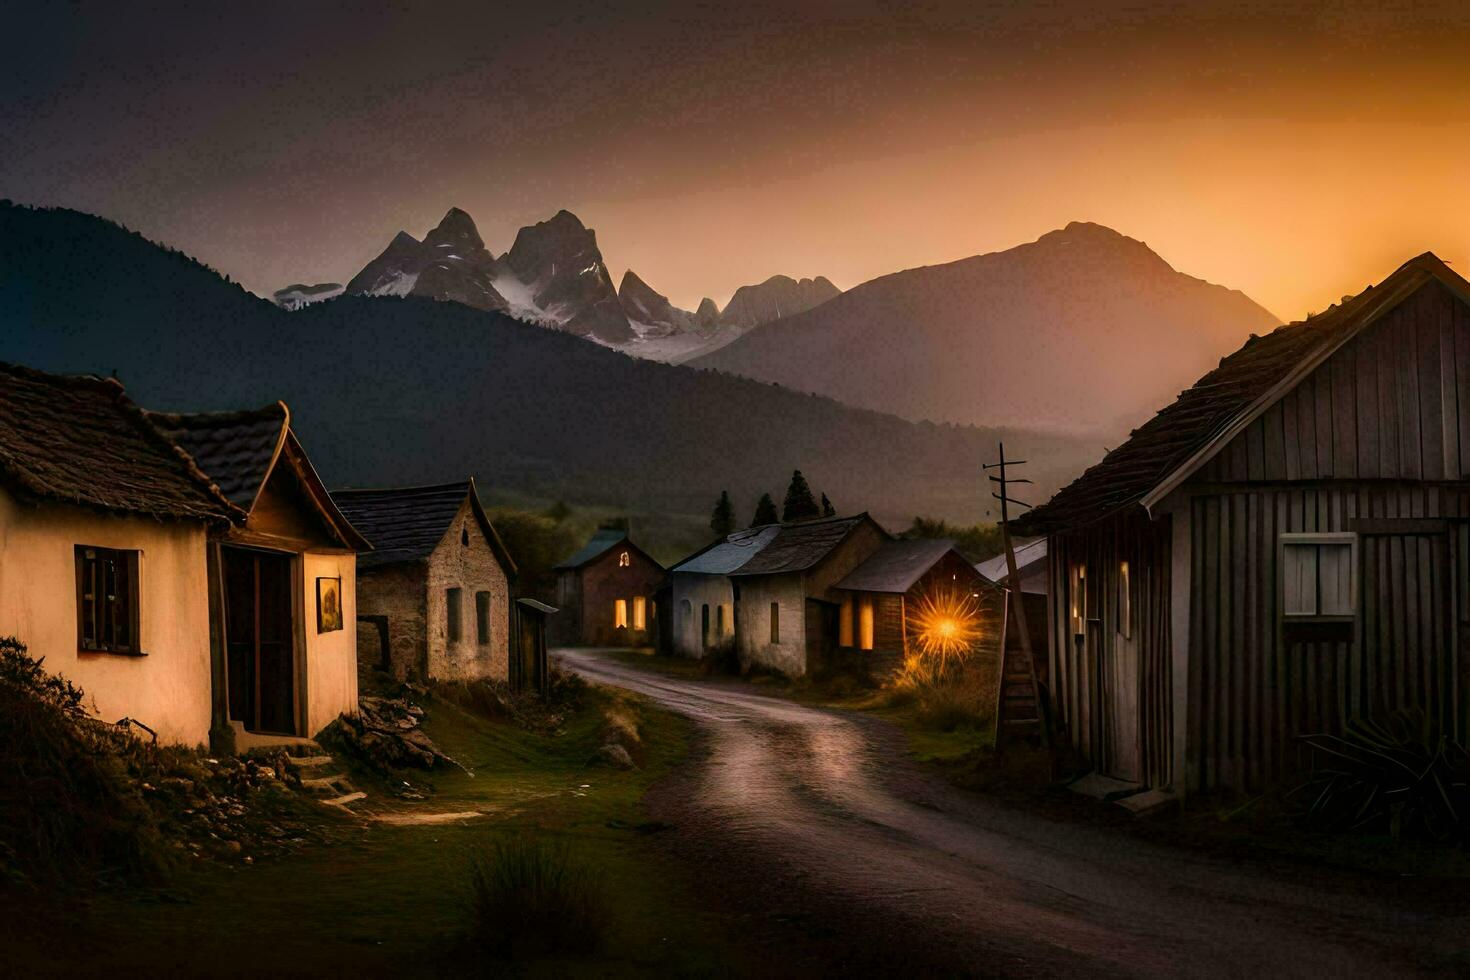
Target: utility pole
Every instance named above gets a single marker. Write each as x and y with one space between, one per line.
1013 608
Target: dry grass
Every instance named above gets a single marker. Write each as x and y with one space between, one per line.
530 898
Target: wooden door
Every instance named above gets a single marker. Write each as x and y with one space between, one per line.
260 640
1408 659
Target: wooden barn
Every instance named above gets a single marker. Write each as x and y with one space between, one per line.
1284 548
911 596
605 593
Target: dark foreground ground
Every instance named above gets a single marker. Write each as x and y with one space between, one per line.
832 853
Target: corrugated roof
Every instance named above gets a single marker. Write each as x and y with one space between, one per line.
82 441
995 569
896 565
797 547
1246 382
726 556
236 449
407 523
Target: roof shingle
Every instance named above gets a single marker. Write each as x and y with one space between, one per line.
896 565
797 547
236 449
407 523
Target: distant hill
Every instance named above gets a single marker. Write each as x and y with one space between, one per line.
1084 327
394 390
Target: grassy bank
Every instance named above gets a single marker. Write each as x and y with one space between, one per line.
391 893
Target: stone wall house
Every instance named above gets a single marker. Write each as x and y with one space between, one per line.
434 597
605 593
910 597
103 531
282 581
787 603
704 595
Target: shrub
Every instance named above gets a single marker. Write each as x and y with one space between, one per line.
69 813
950 707
530 898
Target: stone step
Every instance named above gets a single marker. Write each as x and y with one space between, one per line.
326 785
311 761
344 800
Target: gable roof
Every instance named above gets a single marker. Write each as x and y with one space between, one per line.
80 440
897 565
1030 567
602 541
240 450
729 553
407 523
797 547
1166 449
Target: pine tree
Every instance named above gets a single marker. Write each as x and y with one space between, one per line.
827 509
800 504
722 521
765 512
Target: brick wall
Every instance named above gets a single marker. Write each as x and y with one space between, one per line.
465 560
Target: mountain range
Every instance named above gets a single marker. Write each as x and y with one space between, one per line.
1084 328
554 276
390 390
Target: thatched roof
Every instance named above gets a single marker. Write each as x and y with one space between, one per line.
80 440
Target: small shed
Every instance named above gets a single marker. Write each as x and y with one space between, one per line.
434 596
528 666
913 596
704 594
605 593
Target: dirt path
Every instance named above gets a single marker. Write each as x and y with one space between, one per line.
813 823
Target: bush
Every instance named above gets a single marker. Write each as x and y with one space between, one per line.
950 707
530 898
69 813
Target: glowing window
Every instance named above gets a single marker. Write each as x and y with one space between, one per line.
1125 601
865 622
844 623
640 613
620 613
1077 595
623 560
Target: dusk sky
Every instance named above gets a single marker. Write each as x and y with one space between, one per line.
1295 156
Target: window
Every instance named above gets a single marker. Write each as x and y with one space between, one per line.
464 535
623 560
1077 596
620 614
1317 577
719 622
844 622
704 624
775 622
482 618
865 623
640 613
456 628
107 600
1125 601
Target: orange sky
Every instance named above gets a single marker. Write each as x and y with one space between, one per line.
1294 154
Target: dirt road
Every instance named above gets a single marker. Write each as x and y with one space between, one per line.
812 823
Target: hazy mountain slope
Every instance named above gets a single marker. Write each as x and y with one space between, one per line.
1083 328
407 390
778 296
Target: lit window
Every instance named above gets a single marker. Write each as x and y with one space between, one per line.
620 613
865 622
640 613
1077 595
623 560
775 622
844 622
1125 601
1317 577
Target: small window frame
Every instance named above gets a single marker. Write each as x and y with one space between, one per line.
129 561
1318 539
775 622
482 618
454 613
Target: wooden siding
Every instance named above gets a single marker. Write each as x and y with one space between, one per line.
1254 688
1393 403
1084 688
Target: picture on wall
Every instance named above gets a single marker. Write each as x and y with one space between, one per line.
328 604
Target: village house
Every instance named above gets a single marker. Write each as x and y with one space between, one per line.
1282 550
434 596
911 597
605 593
788 604
704 595
281 581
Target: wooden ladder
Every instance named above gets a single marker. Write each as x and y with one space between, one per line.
1018 709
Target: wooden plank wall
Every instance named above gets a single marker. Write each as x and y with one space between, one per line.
1079 681
1251 692
1394 403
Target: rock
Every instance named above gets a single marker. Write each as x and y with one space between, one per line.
614 755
